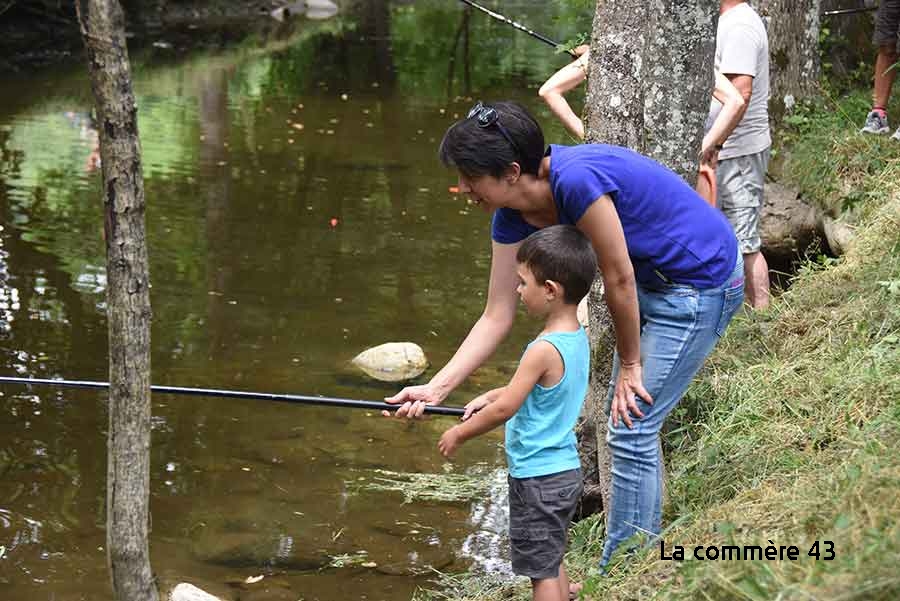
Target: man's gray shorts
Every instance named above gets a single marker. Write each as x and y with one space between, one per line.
887 23
739 183
540 511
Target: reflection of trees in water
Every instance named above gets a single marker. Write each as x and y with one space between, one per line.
462 32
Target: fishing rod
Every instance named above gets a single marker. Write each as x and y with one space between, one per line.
848 11
518 26
239 394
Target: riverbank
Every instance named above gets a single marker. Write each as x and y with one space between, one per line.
791 435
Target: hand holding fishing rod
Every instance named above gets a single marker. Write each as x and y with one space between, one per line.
240 394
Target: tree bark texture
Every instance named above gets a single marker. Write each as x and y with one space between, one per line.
128 302
794 66
650 81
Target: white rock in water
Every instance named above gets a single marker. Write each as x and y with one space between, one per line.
392 361
323 5
320 9
189 592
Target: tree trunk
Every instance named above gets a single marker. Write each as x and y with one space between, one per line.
650 81
793 28
128 302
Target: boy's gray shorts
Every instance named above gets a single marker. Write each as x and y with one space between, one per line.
740 182
540 511
887 23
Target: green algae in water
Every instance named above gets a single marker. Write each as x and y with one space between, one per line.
448 487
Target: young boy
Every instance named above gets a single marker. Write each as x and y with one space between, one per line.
540 405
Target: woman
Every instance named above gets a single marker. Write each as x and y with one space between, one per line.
670 265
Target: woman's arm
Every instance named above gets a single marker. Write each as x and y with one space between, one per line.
601 224
487 333
561 82
733 108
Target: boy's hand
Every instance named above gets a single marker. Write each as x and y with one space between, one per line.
449 442
474 405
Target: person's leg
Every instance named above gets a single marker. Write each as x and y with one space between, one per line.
547 589
563 583
887 25
682 325
884 75
741 183
756 272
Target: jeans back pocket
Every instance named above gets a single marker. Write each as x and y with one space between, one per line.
733 299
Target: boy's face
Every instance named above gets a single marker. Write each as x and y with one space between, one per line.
532 293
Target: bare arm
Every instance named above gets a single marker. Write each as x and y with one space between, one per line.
553 90
601 224
484 337
734 106
533 366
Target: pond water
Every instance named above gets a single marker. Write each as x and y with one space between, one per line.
297 214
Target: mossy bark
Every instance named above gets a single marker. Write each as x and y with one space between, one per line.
128 302
650 81
794 66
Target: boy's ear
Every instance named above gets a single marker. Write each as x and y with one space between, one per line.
553 288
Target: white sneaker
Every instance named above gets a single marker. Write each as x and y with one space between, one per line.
875 124
896 135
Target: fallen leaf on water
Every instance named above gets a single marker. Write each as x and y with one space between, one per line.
369 564
453 189
254 579
297 126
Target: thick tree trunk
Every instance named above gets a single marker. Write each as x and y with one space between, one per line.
794 67
128 302
650 81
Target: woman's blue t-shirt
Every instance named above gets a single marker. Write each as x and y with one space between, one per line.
671 233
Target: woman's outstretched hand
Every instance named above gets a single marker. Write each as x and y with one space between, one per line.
628 384
413 400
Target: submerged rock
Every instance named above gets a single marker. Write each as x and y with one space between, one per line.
392 361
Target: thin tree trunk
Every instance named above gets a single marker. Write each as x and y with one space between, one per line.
650 81
128 302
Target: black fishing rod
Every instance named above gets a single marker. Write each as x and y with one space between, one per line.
239 394
518 26
848 11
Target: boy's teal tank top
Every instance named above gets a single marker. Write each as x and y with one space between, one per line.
540 437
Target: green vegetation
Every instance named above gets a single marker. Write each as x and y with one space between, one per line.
826 158
447 487
791 434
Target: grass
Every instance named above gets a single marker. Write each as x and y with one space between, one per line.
826 158
791 434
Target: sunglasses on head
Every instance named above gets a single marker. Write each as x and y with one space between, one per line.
487 116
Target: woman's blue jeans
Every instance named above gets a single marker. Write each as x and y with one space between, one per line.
680 326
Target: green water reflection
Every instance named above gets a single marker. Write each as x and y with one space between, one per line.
250 153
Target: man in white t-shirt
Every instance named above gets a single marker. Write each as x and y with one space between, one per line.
742 55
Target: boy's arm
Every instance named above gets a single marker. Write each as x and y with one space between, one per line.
481 401
532 367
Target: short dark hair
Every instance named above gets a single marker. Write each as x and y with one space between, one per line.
478 151
561 253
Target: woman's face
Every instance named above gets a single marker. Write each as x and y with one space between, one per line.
486 191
